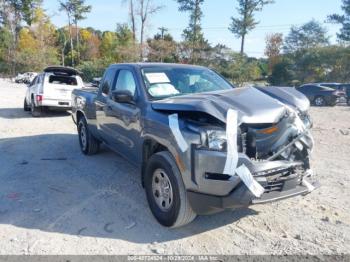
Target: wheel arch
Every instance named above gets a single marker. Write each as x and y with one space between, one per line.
150 147
323 97
79 115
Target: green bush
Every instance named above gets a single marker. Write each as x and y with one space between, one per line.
92 69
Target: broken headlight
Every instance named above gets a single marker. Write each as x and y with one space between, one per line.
216 140
306 118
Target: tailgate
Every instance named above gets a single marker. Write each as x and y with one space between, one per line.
60 87
58 92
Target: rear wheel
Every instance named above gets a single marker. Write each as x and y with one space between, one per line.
320 101
166 193
348 101
26 107
35 110
88 143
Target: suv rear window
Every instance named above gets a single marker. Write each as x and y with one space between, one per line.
63 80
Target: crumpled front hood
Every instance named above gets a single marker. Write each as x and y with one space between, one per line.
252 105
288 95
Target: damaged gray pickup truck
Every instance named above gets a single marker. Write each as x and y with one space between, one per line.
201 145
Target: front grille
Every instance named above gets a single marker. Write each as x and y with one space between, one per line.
277 180
274 186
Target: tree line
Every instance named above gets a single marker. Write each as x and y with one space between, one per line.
29 42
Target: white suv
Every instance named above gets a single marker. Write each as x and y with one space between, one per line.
52 89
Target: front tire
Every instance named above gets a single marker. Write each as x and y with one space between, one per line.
89 145
320 101
166 193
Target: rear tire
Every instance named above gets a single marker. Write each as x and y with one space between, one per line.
320 101
36 111
332 104
348 102
89 145
26 107
163 179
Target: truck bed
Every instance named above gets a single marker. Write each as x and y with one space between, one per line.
89 90
83 99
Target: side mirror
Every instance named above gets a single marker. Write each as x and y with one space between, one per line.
123 96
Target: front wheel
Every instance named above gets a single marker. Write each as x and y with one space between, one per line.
320 101
88 143
166 193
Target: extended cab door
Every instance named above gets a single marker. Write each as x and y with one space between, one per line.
119 123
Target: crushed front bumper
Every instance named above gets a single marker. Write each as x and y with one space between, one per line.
280 180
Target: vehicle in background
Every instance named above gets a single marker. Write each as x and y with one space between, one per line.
29 77
96 81
347 91
19 78
200 144
52 89
25 78
339 88
321 95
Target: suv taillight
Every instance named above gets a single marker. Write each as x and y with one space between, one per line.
39 98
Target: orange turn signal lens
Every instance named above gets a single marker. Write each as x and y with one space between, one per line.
269 131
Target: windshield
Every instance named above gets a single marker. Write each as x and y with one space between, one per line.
164 82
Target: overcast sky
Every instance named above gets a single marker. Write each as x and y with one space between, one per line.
278 17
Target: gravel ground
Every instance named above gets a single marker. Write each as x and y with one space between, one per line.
54 200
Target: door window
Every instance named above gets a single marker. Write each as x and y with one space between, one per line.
41 79
108 81
126 81
316 89
34 81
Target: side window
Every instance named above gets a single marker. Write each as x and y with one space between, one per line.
40 79
34 81
126 81
303 89
108 81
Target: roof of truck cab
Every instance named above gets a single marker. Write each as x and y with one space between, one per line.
143 65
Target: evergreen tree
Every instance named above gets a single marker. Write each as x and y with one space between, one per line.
79 10
193 34
241 26
344 20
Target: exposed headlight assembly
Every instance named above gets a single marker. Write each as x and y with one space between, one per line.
217 140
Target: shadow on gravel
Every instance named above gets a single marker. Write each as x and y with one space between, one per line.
48 185
19 113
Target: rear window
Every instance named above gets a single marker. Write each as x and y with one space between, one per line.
63 80
325 88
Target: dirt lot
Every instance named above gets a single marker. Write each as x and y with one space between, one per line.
54 200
